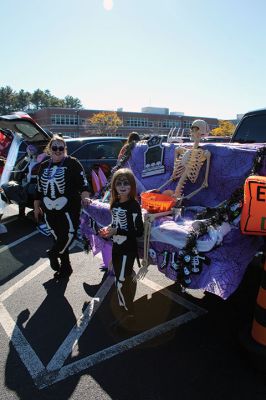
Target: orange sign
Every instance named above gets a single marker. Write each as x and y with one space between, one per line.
253 217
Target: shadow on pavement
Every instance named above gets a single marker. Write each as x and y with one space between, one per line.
55 311
201 359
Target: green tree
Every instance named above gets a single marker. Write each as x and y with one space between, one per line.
12 101
42 99
7 100
38 99
72 102
104 123
22 100
225 128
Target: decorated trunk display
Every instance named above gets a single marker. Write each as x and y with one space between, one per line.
200 244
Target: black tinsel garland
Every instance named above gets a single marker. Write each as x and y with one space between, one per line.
228 211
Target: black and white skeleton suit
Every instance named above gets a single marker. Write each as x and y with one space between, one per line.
127 219
59 188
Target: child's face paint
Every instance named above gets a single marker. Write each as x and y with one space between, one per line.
122 187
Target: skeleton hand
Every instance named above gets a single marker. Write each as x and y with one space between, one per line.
141 273
85 198
107 231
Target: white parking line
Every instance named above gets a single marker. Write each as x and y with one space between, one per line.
173 296
119 348
24 350
55 371
23 281
82 323
4 248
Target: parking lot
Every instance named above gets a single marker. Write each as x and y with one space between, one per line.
59 342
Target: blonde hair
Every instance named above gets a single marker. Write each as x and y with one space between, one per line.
128 174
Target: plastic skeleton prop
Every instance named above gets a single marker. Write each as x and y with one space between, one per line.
187 166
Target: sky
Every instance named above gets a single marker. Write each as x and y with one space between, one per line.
200 57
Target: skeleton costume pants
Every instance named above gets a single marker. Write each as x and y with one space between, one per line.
63 227
127 219
125 287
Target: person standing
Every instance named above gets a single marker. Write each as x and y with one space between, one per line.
61 186
133 137
124 229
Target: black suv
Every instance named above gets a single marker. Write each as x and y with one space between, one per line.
92 152
251 128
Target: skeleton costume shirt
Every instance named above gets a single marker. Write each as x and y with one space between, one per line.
127 219
59 188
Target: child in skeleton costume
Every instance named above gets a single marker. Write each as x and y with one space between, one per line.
62 185
125 227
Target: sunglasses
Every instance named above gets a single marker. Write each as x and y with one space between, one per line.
60 148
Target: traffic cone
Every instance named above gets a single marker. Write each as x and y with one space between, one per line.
258 331
254 341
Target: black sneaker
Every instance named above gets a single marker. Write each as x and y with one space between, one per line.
54 263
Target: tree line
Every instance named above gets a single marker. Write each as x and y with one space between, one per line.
11 101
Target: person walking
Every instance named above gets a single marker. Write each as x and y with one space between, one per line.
61 187
133 137
124 229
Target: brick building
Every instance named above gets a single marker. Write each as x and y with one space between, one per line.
74 123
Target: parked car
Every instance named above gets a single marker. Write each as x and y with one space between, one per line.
216 139
92 152
251 128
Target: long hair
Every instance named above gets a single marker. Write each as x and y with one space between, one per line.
133 136
125 173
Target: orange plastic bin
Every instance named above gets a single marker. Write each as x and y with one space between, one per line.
156 202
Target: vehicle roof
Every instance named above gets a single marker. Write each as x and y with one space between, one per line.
259 111
92 138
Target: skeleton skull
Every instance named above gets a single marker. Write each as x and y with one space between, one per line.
203 129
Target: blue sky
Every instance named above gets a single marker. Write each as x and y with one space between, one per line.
201 57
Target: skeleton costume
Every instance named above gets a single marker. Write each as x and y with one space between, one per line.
127 219
59 188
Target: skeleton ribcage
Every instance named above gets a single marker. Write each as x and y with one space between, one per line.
49 184
190 163
119 218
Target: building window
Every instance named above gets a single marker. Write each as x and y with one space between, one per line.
187 124
64 119
137 122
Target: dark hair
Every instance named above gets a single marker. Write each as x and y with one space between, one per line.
127 173
133 136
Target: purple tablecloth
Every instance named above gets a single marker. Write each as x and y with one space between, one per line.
230 165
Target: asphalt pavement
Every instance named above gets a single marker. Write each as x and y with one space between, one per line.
60 341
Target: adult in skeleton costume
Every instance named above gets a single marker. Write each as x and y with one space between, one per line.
125 227
62 185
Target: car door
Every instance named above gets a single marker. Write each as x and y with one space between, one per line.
97 154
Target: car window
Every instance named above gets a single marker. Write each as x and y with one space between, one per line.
22 150
98 150
252 129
